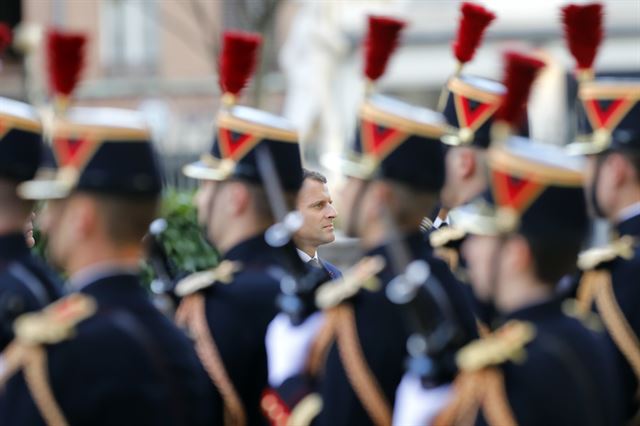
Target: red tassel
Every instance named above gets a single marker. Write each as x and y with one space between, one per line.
583 31
473 23
519 73
237 60
381 41
66 58
5 37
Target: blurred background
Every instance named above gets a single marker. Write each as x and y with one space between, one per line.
159 56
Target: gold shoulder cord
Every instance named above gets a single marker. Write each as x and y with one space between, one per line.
596 286
355 365
191 314
32 360
27 352
475 390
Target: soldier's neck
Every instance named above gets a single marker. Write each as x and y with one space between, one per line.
521 292
93 254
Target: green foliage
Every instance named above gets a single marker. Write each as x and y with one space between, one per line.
183 240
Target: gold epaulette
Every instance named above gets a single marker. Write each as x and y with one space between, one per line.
361 275
596 257
446 235
56 322
505 344
223 273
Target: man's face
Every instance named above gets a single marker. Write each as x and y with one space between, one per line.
57 223
604 181
316 206
480 254
350 196
210 211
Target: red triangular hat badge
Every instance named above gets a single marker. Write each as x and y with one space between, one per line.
379 140
607 113
471 113
235 145
514 192
73 152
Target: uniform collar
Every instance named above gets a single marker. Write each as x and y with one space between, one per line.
13 246
248 249
417 246
537 311
629 223
100 271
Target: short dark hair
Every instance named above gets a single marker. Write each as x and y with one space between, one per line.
313 175
10 202
554 258
126 219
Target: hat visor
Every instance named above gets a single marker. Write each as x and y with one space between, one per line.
349 165
472 219
44 189
584 148
201 171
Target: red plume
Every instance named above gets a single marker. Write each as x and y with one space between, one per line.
583 31
5 37
473 23
519 73
66 58
381 41
238 60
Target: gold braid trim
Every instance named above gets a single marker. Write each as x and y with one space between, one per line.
321 344
36 375
355 365
481 389
616 323
449 256
32 360
13 357
191 313
596 284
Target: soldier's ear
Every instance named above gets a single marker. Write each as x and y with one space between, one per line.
239 197
84 214
517 255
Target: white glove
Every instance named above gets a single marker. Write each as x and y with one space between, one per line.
288 346
417 406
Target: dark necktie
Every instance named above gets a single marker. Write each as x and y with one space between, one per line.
315 262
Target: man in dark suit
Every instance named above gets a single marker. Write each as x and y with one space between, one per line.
316 205
111 356
26 284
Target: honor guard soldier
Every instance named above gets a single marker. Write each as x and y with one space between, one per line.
395 171
541 365
227 309
26 284
609 137
103 355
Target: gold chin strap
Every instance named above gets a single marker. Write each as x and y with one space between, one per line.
596 285
191 315
475 390
360 376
